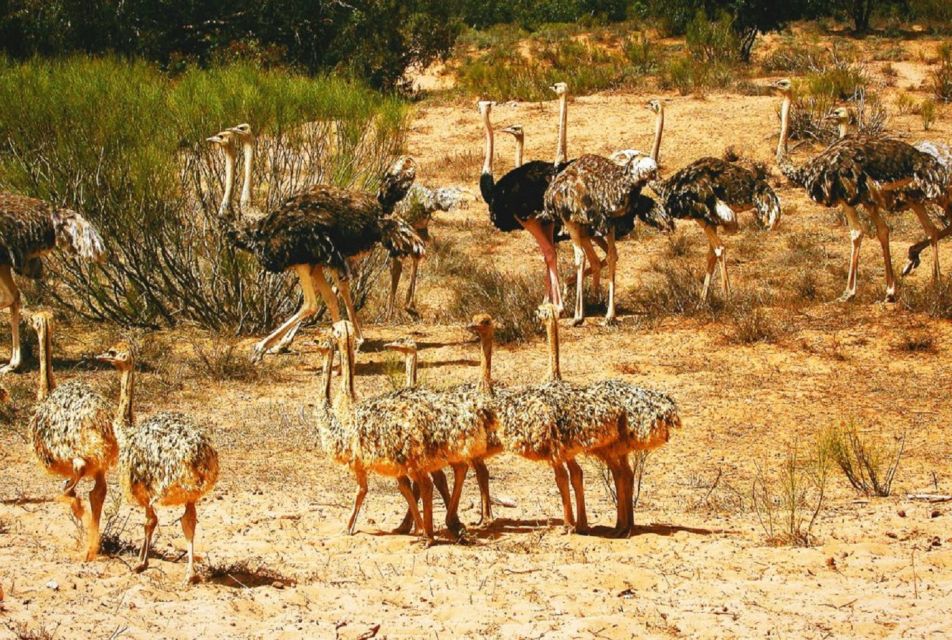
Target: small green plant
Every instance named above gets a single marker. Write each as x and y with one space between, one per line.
641 54
905 104
712 41
867 462
942 76
787 502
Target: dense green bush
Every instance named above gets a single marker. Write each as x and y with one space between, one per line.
125 145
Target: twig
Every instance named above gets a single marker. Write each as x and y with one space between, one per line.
930 497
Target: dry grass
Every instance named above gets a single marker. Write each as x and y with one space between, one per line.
926 298
867 462
24 631
919 340
220 360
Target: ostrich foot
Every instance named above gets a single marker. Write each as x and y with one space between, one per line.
257 353
578 322
847 296
610 321
142 566
10 368
912 263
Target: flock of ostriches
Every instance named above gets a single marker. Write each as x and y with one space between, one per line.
413 434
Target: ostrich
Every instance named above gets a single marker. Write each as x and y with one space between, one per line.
873 172
321 227
417 209
72 434
29 229
516 200
590 197
712 191
165 460
519 135
555 421
406 434
624 156
409 350
899 201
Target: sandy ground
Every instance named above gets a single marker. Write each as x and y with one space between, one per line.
700 564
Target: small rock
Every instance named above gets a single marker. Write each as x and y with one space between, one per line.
902 513
277 584
936 542
52 584
935 513
891 534
831 562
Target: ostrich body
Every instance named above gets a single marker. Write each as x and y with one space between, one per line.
417 209
72 434
859 170
943 153
406 434
165 460
516 200
29 229
589 197
712 191
556 421
321 227
647 420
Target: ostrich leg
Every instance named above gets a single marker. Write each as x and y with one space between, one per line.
611 256
10 297
410 304
396 268
882 232
343 285
719 253
934 236
856 238
543 237
308 308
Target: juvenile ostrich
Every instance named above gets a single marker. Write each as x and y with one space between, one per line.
406 434
873 172
321 227
165 460
556 421
417 209
408 349
590 197
712 191
29 229
516 200
900 201
72 434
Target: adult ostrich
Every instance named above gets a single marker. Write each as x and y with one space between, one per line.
590 197
516 200
321 227
30 229
712 191
859 170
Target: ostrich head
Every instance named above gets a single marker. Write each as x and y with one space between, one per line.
243 130
654 105
481 325
119 355
784 86
840 115
485 106
560 88
515 130
76 235
225 139
41 321
639 167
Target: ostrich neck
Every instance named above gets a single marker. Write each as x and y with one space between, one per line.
844 129
561 151
248 148
488 161
784 127
47 384
411 368
486 364
124 415
229 183
520 144
326 379
659 129
552 332
347 397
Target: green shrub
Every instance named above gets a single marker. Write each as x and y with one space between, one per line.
687 75
867 462
124 144
712 41
942 76
641 54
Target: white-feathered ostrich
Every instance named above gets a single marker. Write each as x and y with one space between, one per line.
164 460
898 202
72 434
417 209
860 170
321 227
593 195
29 229
712 191
516 199
625 155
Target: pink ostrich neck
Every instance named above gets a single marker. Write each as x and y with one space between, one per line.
659 129
488 161
47 383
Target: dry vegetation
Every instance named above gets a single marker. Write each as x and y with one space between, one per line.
753 521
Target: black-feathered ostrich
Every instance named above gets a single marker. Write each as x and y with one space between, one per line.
900 201
860 170
590 197
516 200
30 229
321 227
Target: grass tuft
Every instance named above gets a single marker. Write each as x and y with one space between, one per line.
867 462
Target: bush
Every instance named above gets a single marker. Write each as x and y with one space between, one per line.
688 75
866 462
927 113
712 41
942 77
142 173
641 54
